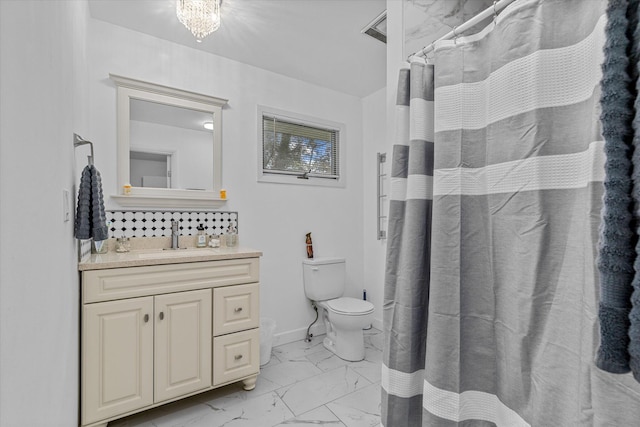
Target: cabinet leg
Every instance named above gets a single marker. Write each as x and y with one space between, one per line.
250 383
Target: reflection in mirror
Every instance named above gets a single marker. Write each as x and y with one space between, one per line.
149 169
169 146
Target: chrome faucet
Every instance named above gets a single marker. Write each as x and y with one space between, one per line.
175 234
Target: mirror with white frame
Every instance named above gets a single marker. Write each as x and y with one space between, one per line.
169 146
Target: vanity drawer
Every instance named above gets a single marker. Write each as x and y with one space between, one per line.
129 282
236 356
236 308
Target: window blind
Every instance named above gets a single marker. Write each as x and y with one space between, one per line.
290 147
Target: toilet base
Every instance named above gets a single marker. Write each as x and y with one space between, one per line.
348 345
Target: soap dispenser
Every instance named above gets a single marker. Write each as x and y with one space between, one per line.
202 237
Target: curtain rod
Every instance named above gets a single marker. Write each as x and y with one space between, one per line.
491 10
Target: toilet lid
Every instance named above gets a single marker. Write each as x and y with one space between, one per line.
353 306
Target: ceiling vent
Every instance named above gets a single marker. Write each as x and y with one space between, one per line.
377 28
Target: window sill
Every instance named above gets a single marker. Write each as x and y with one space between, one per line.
168 202
294 180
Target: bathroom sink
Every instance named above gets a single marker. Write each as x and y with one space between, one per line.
175 253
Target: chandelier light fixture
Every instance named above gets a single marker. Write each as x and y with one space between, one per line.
201 17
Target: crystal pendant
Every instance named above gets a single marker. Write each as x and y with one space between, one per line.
201 17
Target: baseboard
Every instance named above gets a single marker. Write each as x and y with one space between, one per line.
297 334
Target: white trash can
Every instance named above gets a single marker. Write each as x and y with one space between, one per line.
267 328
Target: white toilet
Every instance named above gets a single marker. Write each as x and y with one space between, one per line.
344 317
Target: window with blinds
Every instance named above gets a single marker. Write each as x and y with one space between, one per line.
296 148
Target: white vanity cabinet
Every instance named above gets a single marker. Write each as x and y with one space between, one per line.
154 334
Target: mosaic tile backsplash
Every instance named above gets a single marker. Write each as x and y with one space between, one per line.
158 224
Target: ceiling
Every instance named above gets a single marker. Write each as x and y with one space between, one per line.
317 41
168 115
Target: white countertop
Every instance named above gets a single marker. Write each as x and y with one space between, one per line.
143 257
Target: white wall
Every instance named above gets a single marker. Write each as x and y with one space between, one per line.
273 218
375 141
44 91
378 136
396 59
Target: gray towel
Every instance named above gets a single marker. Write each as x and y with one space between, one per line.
633 14
619 315
91 221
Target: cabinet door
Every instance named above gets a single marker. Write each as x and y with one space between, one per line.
117 358
183 343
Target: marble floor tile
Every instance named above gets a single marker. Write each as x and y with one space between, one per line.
372 354
181 409
180 414
321 416
303 384
371 370
298 349
373 339
234 394
326 360
273 360
263 385
320 389
142 420
261 411
360 408
289 372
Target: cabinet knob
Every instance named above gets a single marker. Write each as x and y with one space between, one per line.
238 357
238 309
161 315
146 318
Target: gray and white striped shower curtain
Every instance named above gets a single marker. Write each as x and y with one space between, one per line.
491 289
406 293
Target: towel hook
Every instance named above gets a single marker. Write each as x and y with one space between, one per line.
78 141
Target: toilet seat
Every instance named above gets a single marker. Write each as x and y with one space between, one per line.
349 306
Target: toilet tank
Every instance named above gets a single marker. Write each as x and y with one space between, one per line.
324 278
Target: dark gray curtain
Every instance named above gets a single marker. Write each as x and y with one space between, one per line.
406 293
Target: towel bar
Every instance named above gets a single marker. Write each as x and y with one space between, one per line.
78 141
381 234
